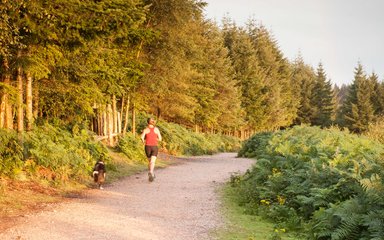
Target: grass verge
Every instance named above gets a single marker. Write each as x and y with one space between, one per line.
241 226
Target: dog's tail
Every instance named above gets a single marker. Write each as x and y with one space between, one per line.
95 175
101 177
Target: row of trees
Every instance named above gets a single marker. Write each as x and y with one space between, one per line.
66 60
67 57
353 106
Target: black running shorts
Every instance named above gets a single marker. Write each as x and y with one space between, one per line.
151 151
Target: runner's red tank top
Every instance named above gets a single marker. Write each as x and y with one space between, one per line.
151 138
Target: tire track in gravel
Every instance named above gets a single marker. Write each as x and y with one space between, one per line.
181 203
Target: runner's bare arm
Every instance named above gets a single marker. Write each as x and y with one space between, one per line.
158 134
142 136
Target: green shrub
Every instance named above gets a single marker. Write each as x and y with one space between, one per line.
255 146
132 147
376 130
11 153
180 140
51 154
329 182
69 156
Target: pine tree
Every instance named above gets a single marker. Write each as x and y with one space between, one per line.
303 79
377 97
322 99
169 83
358 110
341 95
29 50
248 74
281 105
217 96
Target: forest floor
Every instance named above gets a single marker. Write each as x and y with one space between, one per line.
182 203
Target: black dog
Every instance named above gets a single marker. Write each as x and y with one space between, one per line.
99 173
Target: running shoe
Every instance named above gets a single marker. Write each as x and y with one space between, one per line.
150 177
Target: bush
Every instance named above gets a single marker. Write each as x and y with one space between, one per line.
11 153
376 130
180 140
329 180
51 154
132 147
69 156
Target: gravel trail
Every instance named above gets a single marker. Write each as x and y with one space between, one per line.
181 203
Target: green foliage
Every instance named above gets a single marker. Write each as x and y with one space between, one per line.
376 130
263 75
322 100
50 154
169 83
169 61
78 52
180 140
69 156
327 183
249 76
303 81
256 145
358 108
11 153
280 102
132 147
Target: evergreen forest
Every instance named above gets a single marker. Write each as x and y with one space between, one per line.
69 61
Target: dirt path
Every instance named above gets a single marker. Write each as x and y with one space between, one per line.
180 204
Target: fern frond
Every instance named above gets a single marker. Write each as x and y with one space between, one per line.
348 230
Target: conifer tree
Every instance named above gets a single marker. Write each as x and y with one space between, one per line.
303 78
29 49
248 74
377 96
358 110
341 95
322 99
98 42
281 105
169 83
217 96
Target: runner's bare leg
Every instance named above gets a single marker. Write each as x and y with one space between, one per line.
152 163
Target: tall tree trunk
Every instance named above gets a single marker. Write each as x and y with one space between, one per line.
122 107
134 119
29 109
118 123
2 111
126 116
122 103
105 123
110 124
114 114
4 99
20 109
35 101
99 121
6 116
8 111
